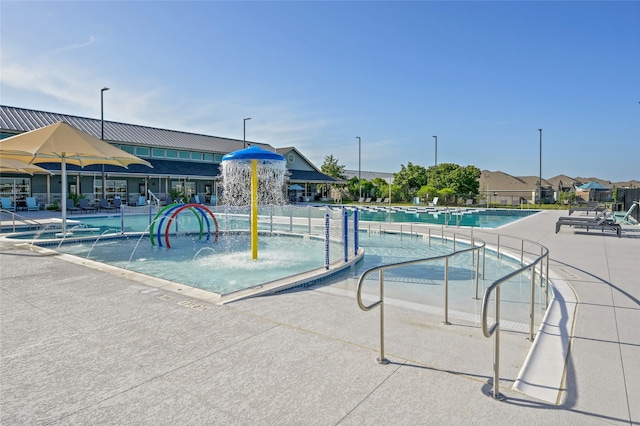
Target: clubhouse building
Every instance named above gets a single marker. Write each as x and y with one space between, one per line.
183 162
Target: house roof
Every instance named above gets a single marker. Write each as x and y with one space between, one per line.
310 176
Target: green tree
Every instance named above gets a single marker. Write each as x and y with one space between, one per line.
330 167
465 180
410 178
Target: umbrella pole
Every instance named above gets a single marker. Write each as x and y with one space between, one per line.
63 202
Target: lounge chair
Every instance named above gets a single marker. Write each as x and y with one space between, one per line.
85 207
602 221
469 202
71 206
434 202
32 204
360 200
142 201
7 205
104 205
367 201
592 209
378 200
385 201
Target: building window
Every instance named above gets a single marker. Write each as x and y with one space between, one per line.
207 157
196 156
157 152
184 155
127 148
217 158
142 151
172 153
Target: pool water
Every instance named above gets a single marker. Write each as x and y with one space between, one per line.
424 284
488 218
221 266
224 265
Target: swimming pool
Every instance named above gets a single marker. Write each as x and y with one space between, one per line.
478 218
224 267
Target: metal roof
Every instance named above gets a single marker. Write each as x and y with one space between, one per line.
18 120
23 120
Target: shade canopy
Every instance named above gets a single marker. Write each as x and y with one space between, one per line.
253 153
64 144
296 187
9 165
593 185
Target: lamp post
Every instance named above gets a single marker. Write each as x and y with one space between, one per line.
104 89
540 181
435 170
244 132
359 164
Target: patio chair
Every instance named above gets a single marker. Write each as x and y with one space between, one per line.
602 221
142 201
591 209
104 205
378 200
469 202
7 204
32 204
85 207
434 202
71 206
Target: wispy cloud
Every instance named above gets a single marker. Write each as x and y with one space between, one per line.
91 41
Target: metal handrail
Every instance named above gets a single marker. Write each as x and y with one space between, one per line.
495 329
381 268
21 219
156 199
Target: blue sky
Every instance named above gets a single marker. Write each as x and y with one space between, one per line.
482 76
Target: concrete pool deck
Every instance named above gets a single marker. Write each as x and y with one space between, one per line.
85 346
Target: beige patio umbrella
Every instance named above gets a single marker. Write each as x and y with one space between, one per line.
64 144
9 165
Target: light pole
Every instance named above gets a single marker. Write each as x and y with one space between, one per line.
540 181
435 170
244 132
359 164
104 89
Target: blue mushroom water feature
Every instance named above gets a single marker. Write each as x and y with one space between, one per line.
265 171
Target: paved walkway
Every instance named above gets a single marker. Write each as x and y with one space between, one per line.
85 346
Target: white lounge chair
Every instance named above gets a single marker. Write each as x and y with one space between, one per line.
434 202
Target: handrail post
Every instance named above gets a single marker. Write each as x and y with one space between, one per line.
446 291
484 261
496 349
477 253
382 359
533 292
546 296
